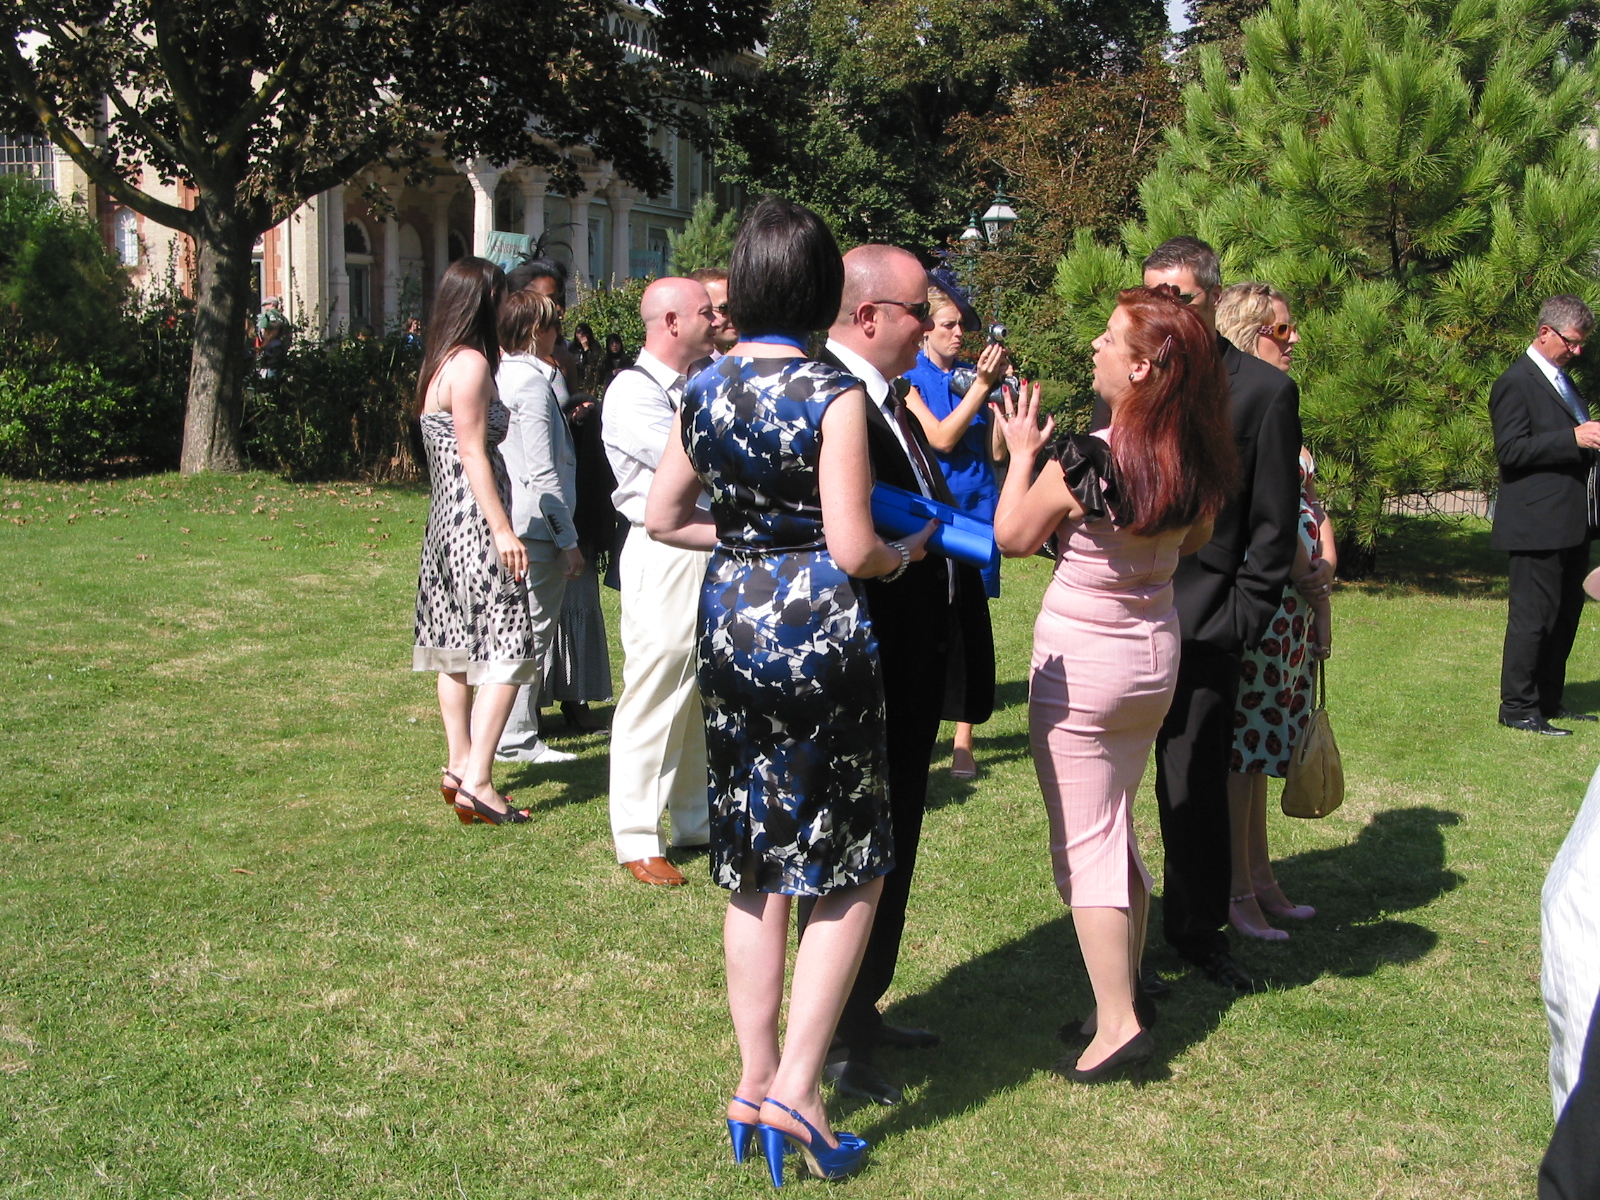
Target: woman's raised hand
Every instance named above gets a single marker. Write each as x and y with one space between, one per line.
1018 417
513 554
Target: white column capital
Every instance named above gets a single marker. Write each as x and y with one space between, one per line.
481 174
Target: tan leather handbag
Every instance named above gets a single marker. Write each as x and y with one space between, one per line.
1315 783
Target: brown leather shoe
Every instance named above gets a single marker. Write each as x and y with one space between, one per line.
657 871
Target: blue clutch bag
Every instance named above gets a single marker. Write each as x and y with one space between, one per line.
961 536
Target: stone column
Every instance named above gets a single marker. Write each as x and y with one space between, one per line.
391 271
580 237
533 186
483 179
673 156
338 279
441 236
621 231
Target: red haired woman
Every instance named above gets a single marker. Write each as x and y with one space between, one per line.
1126 502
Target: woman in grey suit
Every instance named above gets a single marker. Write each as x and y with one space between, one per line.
542 463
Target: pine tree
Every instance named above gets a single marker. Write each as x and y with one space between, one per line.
705 240
1415 176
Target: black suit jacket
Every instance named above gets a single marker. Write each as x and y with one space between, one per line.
1227 592
913 616
1544 473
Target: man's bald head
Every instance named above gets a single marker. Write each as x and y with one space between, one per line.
672 294
677 317
871 273
882 287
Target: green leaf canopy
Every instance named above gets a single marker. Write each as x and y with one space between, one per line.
1417 176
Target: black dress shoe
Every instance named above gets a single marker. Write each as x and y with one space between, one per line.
1536 725
1221 967
1140 1048
1153 985
1566 714
860 1080
901 1038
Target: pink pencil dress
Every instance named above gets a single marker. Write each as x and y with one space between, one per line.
1105 658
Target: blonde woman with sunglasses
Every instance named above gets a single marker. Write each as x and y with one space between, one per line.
1277 676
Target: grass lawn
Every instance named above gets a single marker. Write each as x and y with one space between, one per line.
246 951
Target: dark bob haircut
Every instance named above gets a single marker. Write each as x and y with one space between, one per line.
785 273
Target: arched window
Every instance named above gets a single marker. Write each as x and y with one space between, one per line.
355 239
126 234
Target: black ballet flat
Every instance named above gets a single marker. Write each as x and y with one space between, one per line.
1137 1050
1144 1008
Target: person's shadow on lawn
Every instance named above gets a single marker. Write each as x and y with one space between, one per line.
990 749
999 1012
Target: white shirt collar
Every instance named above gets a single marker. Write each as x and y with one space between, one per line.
877 385
1544 364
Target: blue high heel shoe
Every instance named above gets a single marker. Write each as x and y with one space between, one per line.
742 1133
825 1162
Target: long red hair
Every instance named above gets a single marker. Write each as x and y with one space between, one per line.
1174 448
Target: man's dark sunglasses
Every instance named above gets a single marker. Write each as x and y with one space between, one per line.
720 309
921 311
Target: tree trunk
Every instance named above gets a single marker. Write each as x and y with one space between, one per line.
211 418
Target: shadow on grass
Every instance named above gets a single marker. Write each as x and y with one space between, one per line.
989 750
1437 556
999 1012
1582 697
580 782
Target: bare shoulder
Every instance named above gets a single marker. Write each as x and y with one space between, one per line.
466 367
464 374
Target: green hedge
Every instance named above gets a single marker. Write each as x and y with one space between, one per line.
66 423
335 410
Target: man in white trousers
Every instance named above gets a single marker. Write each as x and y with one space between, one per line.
658 741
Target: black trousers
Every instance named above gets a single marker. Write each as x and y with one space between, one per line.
1571 1167
1546 593
913 703
1192 755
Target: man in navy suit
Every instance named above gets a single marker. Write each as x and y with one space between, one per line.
1545 443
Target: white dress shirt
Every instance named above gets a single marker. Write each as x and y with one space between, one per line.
1563 386
634 423
879 391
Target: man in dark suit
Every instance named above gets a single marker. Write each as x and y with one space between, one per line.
1226 595
920 620
1545 443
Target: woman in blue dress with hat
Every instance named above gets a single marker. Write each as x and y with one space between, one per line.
965 444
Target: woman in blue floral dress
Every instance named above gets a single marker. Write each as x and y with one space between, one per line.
788 667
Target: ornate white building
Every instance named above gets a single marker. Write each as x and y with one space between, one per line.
339 266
